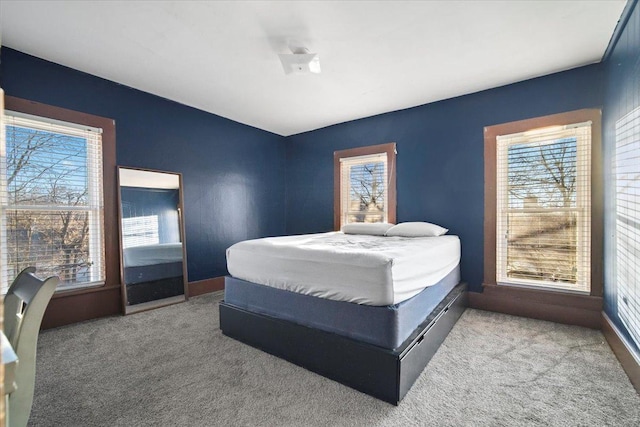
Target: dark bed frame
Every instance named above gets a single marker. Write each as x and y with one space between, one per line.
383 373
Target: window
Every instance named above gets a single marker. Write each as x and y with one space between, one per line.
543 206
51 210
626 173
365 185
542 213
140 230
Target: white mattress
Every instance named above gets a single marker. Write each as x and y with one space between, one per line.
363 269
162 253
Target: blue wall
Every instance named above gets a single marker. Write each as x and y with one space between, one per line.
622 96
233 174
440 166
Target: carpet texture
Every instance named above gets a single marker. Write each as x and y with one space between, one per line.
173 367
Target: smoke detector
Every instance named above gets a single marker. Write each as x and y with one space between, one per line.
300 61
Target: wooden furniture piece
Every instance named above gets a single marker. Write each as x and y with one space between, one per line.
24 307
382 373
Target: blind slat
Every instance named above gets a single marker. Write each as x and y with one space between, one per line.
363 189
543 207
51 201
626 222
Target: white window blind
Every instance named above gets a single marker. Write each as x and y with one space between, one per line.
51 201
364 189
626 173
544 208
140 230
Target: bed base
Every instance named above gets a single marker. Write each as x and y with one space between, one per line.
382 373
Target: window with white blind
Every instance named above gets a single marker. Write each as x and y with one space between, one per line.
543 208
51 201
140 230
626 173
365 184
363 190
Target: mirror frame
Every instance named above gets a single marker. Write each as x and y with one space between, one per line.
150 305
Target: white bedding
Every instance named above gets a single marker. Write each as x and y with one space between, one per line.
162 253
363 269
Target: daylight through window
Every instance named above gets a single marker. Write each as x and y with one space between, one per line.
51 202
365 184
364 189
140 231
626 173
543 231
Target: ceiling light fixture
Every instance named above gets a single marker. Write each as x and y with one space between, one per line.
300 61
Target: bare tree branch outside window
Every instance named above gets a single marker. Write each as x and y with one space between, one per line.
542 240
367 195
47 215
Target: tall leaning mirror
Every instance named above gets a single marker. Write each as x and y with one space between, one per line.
153 257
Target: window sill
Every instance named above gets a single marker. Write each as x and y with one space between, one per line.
62 293
543 288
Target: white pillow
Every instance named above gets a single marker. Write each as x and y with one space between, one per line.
371 228
416 229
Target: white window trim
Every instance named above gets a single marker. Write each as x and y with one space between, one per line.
583 205
95 207
346 164
388 149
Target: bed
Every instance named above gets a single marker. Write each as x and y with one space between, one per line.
367 311
153 272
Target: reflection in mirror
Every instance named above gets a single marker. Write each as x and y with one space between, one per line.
151 236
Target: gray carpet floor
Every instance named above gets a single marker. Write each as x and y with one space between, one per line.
172 367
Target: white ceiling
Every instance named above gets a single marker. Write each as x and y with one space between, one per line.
376 57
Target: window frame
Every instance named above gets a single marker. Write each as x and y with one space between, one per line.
623 219
558 137
111 268
390 150
92 207
597 198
